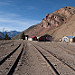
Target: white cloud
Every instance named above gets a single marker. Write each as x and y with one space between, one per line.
4 3
6 29
20 21
2 20
30 7
7 15
11 21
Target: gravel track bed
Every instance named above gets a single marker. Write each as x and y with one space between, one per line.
69 46
59 53
7 48
32 63
7 65
62 68
3 42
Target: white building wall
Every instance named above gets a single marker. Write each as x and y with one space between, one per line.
71 40
26 38
65 39
30 39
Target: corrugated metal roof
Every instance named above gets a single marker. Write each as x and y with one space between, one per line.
70 37
33 37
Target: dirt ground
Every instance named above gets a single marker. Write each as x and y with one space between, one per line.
32 63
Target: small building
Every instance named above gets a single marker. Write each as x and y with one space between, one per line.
68 39
73 39
30 39
45 37
26 37
33 38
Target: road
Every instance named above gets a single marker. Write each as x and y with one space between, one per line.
20 57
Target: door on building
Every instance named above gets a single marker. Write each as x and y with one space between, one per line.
74 39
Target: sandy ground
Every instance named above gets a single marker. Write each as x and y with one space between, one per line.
32 63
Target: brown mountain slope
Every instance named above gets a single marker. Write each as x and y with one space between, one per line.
25 31
58 24
67 29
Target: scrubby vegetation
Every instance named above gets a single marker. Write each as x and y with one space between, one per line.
7 37
23 36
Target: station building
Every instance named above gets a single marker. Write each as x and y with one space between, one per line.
33 38
68 39
45 37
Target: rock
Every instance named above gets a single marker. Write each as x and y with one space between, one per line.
58 17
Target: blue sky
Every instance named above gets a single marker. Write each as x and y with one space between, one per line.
21 14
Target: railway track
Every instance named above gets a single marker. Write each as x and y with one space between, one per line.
3 58
9 63
67 50
59 67
6 43
58 57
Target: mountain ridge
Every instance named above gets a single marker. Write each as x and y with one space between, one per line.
1 35
10 34
52 23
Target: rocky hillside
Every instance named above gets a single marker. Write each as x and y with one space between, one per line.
58 24
58 17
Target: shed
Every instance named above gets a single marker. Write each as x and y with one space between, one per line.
73 39
30 39
33 38
68 39
45 37
26 37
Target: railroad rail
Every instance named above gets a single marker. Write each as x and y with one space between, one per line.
57 57
67 50
55 71
6 43
9 63
7 56
59 67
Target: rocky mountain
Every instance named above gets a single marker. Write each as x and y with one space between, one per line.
12 33
58 17
1 35
57 24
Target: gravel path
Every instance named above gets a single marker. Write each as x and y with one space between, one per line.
7 48
7 65
32 63
62 54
